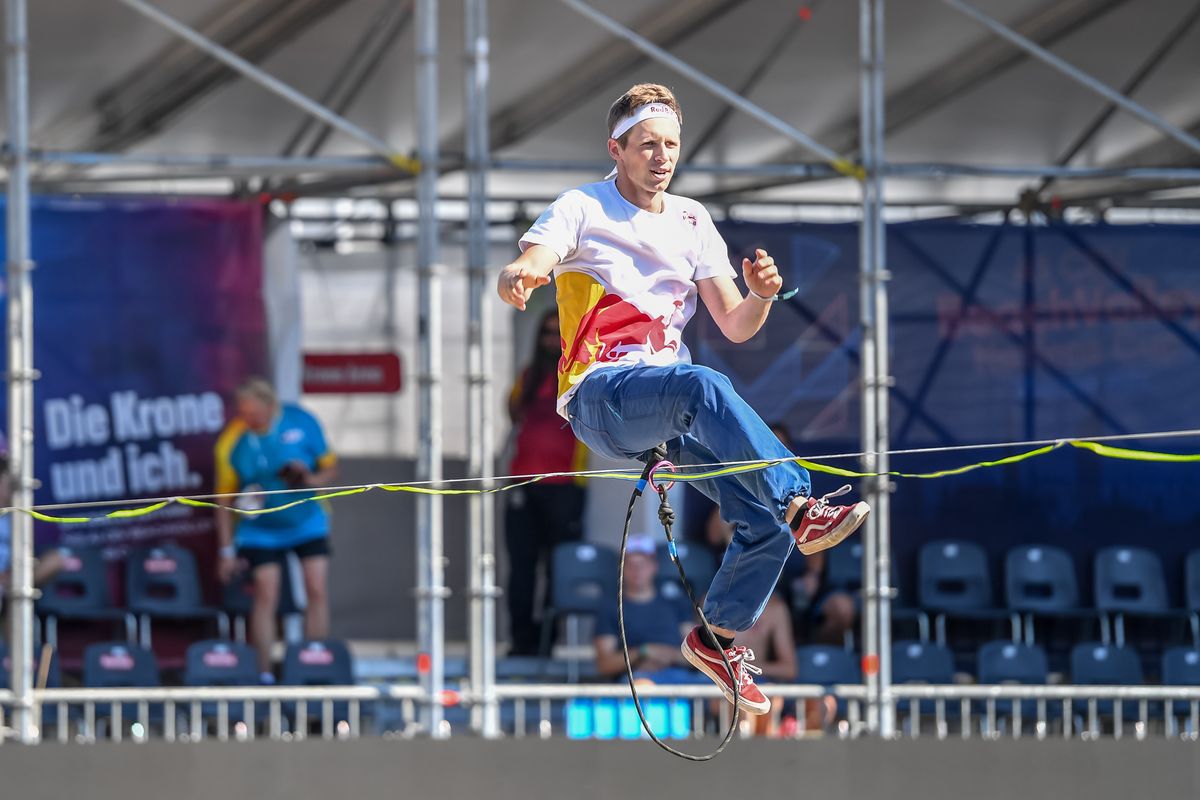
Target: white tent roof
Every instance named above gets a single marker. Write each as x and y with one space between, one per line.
1011 110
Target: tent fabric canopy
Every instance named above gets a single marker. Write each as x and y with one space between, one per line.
104 77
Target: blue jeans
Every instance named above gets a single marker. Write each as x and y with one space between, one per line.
621 412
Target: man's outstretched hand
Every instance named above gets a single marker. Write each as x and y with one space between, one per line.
517 282
761 275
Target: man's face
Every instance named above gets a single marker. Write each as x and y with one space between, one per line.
649 155
640 571
255 413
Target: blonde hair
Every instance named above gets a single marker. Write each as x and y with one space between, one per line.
639 95
260 389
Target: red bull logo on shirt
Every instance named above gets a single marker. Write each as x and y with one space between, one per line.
599 327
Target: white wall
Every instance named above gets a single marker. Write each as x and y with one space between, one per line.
344 308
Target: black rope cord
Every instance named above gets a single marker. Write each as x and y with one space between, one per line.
666 515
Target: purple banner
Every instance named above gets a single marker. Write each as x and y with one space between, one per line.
147 314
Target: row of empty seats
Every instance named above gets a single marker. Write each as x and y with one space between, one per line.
212 662
162 582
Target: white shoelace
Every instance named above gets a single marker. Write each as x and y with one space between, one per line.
743 656
821 506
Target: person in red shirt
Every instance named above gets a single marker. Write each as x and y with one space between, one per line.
540 516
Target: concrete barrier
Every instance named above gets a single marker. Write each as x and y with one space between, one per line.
522 770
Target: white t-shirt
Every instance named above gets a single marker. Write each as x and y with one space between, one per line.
626 277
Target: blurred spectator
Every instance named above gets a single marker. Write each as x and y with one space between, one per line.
547 513
271 446
653 625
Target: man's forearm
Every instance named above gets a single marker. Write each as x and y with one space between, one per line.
746 318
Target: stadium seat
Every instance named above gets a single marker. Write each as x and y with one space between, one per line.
827 665
1181 667
1040 584
318 662
585 578
80 593
114 665
923 662
162 582
953 581
219 662
1129 582
1005 662
1191 593
1099 664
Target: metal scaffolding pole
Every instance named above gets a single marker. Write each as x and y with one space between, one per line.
1077 75
271 83
21 373
481 436
883 378
870 243
431 590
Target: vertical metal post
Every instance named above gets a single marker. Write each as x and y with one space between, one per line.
20 369
485 715
883 379
430 568
868 245
391 268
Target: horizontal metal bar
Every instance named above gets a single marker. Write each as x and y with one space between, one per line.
1036 692
181 695
938 170
569 691
273 163
906 170
801 170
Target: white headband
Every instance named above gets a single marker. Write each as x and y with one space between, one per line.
644 112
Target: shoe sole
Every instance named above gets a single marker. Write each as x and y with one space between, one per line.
838 535
700 664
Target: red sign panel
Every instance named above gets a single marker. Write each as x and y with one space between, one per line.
351 373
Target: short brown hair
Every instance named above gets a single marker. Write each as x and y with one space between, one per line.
260 389
637 96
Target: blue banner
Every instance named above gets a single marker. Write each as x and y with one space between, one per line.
997 333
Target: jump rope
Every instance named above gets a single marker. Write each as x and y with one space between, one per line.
656 460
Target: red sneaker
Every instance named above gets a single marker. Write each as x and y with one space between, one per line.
819 525
708 661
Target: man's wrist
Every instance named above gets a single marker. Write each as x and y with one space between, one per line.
759 296
227 551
